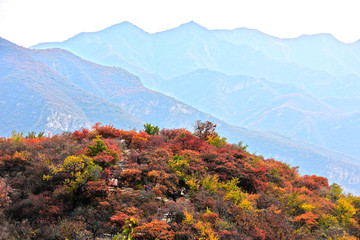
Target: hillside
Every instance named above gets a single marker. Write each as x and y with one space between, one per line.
105 183
110 92
33 97
64 92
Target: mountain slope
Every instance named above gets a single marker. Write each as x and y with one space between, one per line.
36 98
78 79
167 185
236 98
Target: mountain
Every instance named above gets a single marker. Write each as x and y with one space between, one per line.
36 98
263 105
237 98
327 53
73 87
190 46
289 86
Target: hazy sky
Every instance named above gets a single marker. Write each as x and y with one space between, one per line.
28 22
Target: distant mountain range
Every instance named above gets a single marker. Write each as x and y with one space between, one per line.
241 51
55 90
307 88
264 105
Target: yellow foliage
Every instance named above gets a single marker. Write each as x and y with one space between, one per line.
192 182
345 237
246 205
344 211
299 204
327 221
189 218
177 163
211 184
79 169
208 211
216 141
307 207
205 232
47 177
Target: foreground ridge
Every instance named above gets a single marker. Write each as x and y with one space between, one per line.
107 183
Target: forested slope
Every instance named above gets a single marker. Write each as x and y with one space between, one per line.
170 184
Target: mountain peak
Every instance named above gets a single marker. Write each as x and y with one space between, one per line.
124 26
191 25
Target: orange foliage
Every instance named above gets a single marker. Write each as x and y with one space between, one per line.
131 174
154 230
108 131
309 219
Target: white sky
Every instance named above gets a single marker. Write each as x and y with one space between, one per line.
28 22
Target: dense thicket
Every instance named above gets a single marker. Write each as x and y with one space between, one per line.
170 184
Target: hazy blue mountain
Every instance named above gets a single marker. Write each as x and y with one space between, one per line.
237 98
43 85
327 53
121 88
190 46
69 86
346 105
33 97
263 105
334 131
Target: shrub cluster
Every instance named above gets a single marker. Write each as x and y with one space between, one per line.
161 184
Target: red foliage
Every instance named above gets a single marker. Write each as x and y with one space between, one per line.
119 219
187 140
104 160
315 182
96 190
106 174
108 131
154 230
80 135
211 218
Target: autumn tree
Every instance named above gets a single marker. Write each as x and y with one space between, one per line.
76 172
203 130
